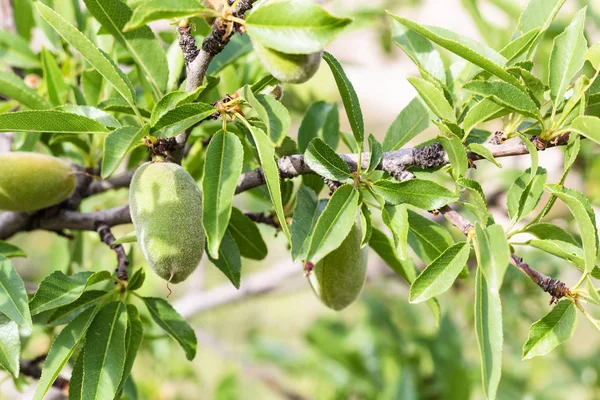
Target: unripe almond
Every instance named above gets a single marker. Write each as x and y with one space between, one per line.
166 210
32 181
339 277
290 68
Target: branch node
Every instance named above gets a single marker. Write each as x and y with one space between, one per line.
187 43
430 156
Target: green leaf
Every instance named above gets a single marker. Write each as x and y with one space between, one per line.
349 98
76 380
137 280
588 126
180 118
493 254
334 223
62 349
58 289
321 120
420 51
375 153
10 250
524 195
222 170
586 221
366 224
396 219
229 261
130 237
118 105
324 161
520 44
478 198
90 52
456 154
539 14
14 50
171 100
117 144
386 249
13 297
266 154
434 98
565 250
306 214
13 87
53 79
91 112
271 112
505 95
65 314
168 319
438 276
488 329
104 352
484 152
50 121
293 26
133 341
154 10
487 109
593 56
10 345
420 193
427 238
472 51
553 329
567 57
412 120
247 236
141 43
545 230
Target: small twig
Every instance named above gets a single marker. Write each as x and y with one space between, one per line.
107 237
32 369
264 218
554 287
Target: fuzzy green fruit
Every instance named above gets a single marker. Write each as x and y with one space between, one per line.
340 276
289 68
166 210
32 181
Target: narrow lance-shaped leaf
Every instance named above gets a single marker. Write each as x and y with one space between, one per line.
168 319
484 152
588 126
567 57
171 100
333 224
506 95
439 276
154 10
475 52
229 261
488 329
10 345
266 153
427 238
396 219
412 120
180 118
456 154
492 253
222 170
15 88
483 111
306 214
53 79
375 153
133 340
293 26
272 113
539 14
247 236
141 43
62 349
90 52
553 329
420 193
321 120
324 161
9 250
13 297
104 353
434 98
349 98
117 145
586 221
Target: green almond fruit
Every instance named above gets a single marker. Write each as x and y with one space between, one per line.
166 210
288 68
339 277
32 181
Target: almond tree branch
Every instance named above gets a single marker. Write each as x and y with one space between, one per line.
394 163
107 237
